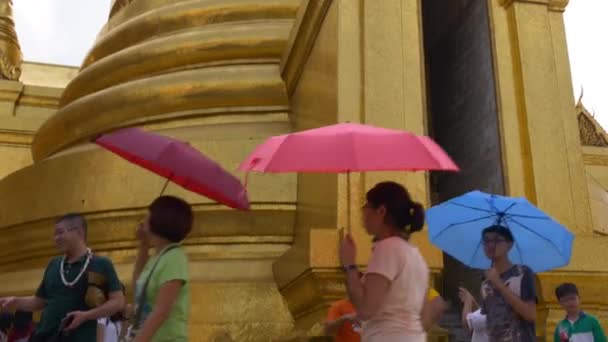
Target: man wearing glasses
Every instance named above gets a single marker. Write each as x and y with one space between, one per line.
77 288
508 291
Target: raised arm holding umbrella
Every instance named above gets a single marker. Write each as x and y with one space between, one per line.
391 215
509 238
161 282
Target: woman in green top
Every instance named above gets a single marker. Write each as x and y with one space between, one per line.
162 281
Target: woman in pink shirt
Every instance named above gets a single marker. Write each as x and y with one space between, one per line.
390 297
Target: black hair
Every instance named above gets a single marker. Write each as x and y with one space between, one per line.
401 211
23 319
170 218
565 289
501 231
76 219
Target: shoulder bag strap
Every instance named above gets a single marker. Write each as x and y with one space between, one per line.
142 298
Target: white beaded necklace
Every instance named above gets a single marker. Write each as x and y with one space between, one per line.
84 268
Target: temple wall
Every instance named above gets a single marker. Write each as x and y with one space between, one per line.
463 113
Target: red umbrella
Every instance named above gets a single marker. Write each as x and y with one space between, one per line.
178 162
348 147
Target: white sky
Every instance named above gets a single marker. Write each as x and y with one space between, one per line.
62 31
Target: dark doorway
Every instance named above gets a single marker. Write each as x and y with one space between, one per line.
462 109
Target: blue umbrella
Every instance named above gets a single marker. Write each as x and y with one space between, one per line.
540 243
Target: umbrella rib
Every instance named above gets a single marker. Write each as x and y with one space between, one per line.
490 202
537 234
469 207
520 253
452 225
474 253
508 208
527 216
530 230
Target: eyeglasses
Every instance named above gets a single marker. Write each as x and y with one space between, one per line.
62 231
486 242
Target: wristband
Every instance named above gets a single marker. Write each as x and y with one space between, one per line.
347 268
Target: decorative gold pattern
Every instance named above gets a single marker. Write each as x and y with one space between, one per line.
591 133
10 52
8 68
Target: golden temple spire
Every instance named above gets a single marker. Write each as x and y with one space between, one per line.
10 52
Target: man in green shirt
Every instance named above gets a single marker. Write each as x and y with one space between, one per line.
65 289
577 326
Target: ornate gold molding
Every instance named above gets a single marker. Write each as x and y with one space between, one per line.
553 5
16 138
594 159
302 39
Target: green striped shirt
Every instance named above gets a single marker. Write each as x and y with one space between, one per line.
585 329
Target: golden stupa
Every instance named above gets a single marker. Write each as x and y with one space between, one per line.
490 80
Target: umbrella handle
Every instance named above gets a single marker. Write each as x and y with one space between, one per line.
348 204
162 192
246 180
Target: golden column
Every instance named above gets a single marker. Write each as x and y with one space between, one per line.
206 72
10 52
542 152
358 61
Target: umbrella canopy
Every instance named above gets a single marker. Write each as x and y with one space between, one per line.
456 226
178 162
348 147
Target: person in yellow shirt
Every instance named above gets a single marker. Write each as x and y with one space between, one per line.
433 309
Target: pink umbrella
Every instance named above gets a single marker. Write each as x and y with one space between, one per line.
178 162
348 147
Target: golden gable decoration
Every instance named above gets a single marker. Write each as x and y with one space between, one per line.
591 132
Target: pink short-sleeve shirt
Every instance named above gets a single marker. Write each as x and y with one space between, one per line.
397 260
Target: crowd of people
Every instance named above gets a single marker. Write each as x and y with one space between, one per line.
83 300
392 300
